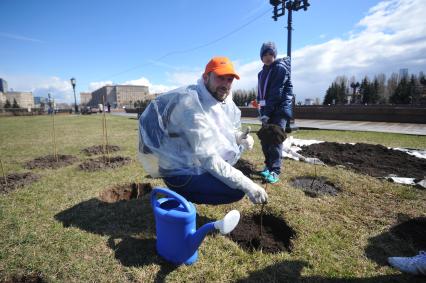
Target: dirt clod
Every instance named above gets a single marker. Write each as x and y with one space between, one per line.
246 167
315 187
51 162
16 180
99 149
102 162
125 192
369 159
276 234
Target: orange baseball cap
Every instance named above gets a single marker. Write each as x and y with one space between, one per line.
221 66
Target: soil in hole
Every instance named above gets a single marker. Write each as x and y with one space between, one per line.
315 187
102 162
373 160
51 162
16 180
28 278
276 234
125 192
99 149
246 167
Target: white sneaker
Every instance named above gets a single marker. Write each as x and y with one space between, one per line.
413 265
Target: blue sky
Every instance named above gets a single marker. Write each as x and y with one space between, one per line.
166 44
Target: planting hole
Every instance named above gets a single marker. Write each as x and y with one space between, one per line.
99 149
15 180
51 162
104 162
276 234
315 187
125 192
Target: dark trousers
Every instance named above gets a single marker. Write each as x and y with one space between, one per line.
272 152
203 189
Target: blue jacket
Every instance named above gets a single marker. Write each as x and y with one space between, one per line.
279 90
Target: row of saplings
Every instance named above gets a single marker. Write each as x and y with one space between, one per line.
258 231
268 232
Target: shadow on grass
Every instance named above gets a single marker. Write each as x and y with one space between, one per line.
121 220
132 252
406 238
117 219
289 271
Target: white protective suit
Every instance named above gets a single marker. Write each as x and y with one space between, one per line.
188 132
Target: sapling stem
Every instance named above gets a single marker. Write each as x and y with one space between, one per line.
261 214
261 219
315 170
55 151
104 133
2 170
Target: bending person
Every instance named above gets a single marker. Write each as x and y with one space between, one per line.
191 137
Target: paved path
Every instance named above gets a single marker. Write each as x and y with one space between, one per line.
384 127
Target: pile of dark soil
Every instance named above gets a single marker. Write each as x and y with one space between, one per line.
373 160
28 278
125 192
315 187
276 234
102 162
51 162
16 180
246 167
99 149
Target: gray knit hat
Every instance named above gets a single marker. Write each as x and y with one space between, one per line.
268 47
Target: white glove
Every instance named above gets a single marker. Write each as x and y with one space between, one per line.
247 143
256 193
232 177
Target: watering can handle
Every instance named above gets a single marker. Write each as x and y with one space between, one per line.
169 193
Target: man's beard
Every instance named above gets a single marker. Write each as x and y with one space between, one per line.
216 95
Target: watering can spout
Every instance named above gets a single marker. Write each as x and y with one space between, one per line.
197 238
225 226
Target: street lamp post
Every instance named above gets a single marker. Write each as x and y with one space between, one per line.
73 81
279 10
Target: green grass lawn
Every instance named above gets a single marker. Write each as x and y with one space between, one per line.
59 228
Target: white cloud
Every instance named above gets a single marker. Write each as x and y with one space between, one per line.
184 78
95 85
390 37
60 89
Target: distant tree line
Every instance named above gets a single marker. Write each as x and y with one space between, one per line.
409 89
8 105
141 103
243 97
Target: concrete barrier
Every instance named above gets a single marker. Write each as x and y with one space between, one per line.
372 113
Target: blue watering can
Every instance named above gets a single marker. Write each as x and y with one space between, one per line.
177 239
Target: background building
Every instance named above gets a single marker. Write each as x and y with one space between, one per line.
309 101
24 99
2 99
85 98
3 85
119 95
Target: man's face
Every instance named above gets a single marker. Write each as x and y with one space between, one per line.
268 58
218 86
